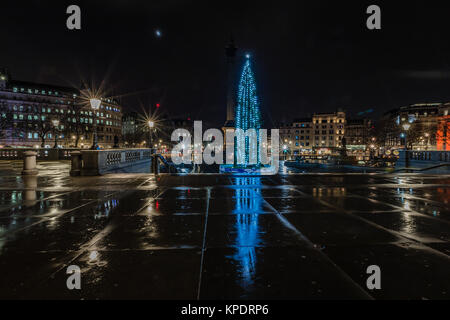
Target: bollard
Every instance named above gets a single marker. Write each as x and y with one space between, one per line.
155 164
29 163
75 169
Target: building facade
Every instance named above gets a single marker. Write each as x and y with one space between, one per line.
129 123
296 137
320 134
423 132
443 129
40 115
359 138
329 130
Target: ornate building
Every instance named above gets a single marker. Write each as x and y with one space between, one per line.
424 120
41 115
322 133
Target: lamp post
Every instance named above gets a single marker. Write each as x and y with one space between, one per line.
285 151
406 127
151 125
95 105
55 123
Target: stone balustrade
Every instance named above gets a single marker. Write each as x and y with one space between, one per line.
98 162
420 160
41 154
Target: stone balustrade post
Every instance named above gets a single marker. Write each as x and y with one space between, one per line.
75 169
29 163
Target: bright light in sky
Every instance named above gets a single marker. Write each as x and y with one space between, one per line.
158 33
247 56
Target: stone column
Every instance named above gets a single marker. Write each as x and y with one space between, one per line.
29 163
75 169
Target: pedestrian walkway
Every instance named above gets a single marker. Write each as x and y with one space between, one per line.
223 237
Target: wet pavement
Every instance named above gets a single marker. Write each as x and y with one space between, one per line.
209 236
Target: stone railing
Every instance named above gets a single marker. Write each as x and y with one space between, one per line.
420 160
98 162
41 154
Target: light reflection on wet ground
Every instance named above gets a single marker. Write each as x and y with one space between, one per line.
215 236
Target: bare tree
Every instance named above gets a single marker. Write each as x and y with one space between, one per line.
443 132
135 137
386 132
421 133
43 126
5 119
75 123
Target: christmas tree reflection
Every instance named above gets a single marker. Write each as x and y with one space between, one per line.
248 208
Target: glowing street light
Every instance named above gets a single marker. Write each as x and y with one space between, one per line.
406 127
151 125
95 105
427 135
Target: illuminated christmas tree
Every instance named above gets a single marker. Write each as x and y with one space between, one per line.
248 117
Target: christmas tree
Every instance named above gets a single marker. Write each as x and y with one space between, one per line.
248 117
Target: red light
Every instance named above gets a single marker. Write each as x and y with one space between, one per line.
189 119
158 105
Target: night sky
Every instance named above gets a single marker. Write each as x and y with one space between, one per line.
308 56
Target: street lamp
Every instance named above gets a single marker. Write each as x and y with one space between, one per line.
427 135
406 127
95 105
55 123
151 125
